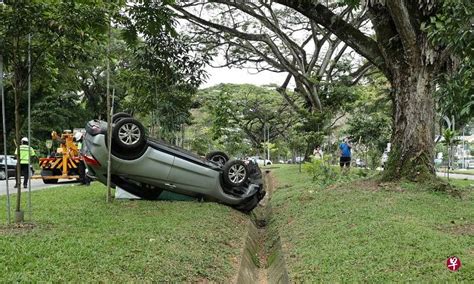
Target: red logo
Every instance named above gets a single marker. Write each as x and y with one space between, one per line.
453 263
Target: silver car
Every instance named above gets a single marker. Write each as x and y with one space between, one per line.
147 167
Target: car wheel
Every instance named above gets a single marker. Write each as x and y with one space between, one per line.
217 157
2 175
269 163
46 173
236 173
119 115
128 134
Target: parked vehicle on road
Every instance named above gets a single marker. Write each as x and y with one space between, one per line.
260 161
11 167
147 167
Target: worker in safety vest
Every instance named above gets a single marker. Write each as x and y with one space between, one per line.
24 162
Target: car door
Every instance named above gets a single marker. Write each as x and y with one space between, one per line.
153 167
191 178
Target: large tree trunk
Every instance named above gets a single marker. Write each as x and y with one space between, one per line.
413 133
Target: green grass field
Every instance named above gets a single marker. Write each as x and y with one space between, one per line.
365 232
78 237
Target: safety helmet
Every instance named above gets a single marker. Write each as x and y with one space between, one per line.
78 136
24 139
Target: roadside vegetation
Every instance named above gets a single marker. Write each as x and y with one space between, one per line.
363 230
78 237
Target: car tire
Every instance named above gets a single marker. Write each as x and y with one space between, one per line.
119 115
235 173
218 157
46 173
128 134
3 174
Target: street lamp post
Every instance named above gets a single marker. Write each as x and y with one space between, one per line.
463 148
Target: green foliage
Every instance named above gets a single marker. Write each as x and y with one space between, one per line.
239 113
59 33
455 96
321 171
450 137
451 27
374 160
370 122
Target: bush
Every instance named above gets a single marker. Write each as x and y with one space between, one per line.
321 171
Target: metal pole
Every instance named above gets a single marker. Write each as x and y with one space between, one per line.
29 126
463 156
109 122
264 139
268 142
4 139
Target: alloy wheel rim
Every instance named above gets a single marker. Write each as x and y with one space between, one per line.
2 174
237 173
129 134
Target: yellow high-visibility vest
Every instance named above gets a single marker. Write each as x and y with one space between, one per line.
24 153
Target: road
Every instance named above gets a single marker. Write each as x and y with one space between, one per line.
456 176
36 184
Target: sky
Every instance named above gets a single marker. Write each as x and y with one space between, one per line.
241 76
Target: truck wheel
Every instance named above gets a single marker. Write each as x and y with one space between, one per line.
47 173
235 173
217 157
2 174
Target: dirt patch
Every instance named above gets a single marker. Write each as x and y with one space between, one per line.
369 185
463 230
19 228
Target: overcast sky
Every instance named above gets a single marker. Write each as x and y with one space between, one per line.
241 76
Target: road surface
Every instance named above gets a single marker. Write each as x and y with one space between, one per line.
36 184
456 176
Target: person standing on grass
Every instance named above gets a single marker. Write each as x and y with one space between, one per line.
318 153
345 151
22 158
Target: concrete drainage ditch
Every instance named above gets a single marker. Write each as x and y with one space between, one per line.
263 260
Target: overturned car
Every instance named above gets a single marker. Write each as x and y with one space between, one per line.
147 167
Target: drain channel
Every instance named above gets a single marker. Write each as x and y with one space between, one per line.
263 260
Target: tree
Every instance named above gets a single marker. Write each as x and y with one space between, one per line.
370 121
402 51
249 110
163 73
261 36
31 32
455 95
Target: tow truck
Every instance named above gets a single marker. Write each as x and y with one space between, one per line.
64 162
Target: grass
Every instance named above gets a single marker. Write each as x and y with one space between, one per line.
362 231
78 237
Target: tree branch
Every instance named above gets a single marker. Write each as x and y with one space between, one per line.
361 43
401 18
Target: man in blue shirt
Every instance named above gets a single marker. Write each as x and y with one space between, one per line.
345 148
